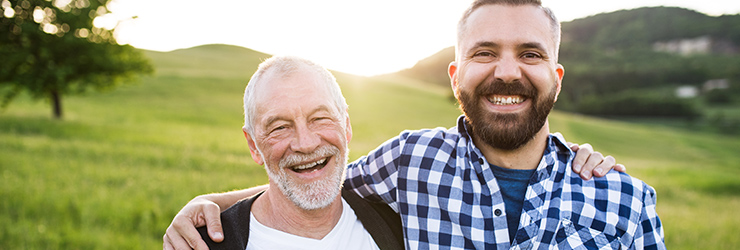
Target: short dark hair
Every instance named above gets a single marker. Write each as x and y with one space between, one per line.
554 23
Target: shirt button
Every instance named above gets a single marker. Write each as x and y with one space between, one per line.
480 161
497 212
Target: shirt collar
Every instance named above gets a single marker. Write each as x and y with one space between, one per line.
555 151
556 142
462 127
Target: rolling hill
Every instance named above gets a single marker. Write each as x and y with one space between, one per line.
630 64
115 172
632 30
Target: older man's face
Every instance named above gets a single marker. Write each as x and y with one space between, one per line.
506 75
301 138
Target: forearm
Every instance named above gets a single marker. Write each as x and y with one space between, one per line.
227 199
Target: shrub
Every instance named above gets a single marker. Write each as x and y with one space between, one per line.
638 104
725 124
718 96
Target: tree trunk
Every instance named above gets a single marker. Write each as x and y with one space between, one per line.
56 102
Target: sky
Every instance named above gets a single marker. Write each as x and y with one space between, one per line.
358 37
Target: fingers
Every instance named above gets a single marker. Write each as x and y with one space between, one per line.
184 231
602 168
212 215
174 241
587 170
572 146
620 168
598 165
588 163
582 154
167 245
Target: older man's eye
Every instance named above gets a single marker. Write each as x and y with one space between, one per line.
278 128
483 54
323 119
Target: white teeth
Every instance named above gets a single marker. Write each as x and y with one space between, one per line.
498 100
310 165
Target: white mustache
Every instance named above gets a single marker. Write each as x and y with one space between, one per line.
295 159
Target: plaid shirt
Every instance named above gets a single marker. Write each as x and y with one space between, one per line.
448 197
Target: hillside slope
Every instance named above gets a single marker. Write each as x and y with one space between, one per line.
643 27
208 60
626 29
116 171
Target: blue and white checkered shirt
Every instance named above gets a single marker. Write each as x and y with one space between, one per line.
448 197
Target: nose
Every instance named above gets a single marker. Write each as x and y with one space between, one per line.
507 69
306 140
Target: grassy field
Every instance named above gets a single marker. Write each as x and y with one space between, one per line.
117 169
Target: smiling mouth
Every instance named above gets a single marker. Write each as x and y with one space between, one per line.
310 167
506 100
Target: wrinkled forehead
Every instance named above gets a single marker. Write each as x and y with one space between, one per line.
275 83
298 89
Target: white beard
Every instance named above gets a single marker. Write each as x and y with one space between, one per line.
317 194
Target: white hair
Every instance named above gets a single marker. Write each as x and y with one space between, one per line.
282 67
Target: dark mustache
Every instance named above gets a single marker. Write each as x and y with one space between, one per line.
499 87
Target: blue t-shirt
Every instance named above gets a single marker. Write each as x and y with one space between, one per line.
513 183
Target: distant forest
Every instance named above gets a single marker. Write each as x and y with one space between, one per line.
630 62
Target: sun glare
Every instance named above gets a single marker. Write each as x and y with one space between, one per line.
363 38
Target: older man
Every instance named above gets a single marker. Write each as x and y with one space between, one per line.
499 179
296 125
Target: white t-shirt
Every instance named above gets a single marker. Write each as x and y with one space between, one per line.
347 234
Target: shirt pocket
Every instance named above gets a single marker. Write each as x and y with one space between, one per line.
573 236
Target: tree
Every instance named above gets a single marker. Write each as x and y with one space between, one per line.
51 48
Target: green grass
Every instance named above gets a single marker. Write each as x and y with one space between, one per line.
117 169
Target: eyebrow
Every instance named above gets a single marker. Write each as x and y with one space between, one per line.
532 45
527 45
483 44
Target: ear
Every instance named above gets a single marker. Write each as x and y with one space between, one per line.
348 129
452 73
256 156
560 70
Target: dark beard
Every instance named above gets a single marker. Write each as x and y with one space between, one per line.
506 131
